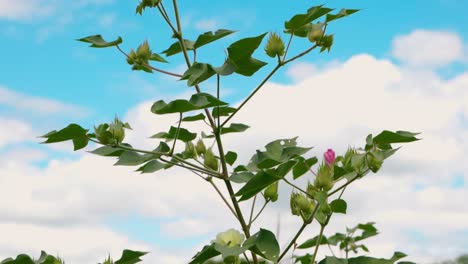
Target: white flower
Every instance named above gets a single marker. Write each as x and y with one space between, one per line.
229 238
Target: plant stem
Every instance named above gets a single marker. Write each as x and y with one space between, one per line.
151 67
176 135
296 187
252 210
299 232
287 47
317 245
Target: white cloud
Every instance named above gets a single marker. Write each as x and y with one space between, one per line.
332 108
424 48
207 24
25 9
37 105
14 131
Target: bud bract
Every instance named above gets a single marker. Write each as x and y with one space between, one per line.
117 131
274 46
200 147
190 151
144 52
210 160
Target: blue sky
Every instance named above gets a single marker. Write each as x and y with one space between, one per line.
413 52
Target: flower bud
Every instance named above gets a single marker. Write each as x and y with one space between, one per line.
102 134
311 190
299 203
210 160
374 162
271 192
144 52
229 238
117 131
326 42
200 147
275 46
131 57
316 32
190 151
329 157
324 178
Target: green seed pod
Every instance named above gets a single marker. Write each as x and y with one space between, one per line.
144 52
210 160
274 46
271 192
200 148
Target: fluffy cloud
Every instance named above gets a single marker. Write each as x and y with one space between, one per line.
37 105
24 9
428 48
411 198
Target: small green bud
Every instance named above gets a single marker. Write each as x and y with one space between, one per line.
190 151
324 178
146 3
300 203
326 43
210 160
374 162
102 133
311 190
200 147
144 52
271 192
274 46
315 33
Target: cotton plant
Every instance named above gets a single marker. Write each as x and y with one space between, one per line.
280 162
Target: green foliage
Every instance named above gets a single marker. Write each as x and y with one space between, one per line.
98 42
197 102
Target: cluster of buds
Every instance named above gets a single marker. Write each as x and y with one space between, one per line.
146 3
140 58
316 35
210 160
113 133
324 179
274 46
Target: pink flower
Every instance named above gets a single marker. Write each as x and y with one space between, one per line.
329 157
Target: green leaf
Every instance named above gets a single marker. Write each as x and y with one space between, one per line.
230 157
72 132
176 48
264 243
285 168
255 185
336 238
234 128
98 42
152 166
389 137
222 111
339 206
209 37
131 158
20 259
363 260
197 101
298 21
313 242
194 118
343 13
241 177
130 257
240 56
157 57
208 252
183 134
198 73
303 166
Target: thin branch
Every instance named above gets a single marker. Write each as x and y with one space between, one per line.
252 94
259 212
152 67
317 245
299 232
224 198
252 210
296 187
176 135
287 47
301 54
